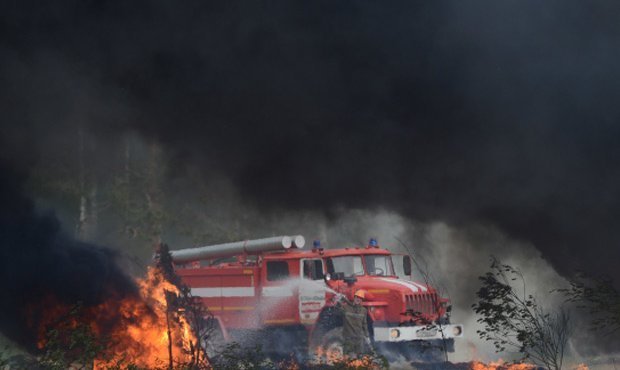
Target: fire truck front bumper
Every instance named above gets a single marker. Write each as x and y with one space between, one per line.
423 332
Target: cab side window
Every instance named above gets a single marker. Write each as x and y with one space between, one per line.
330 266
313 269
277 270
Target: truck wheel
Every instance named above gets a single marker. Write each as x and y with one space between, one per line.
414 352
430 352
331 347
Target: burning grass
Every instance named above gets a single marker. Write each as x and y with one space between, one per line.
332 357
144 331
501 365
152 329
479 365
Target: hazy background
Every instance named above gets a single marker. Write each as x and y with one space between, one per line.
463 129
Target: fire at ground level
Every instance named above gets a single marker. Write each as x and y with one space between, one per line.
144 342
23 361
158 330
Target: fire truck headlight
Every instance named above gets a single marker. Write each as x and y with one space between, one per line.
457 330
394 333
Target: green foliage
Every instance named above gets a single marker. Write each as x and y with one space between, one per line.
69 343
128 365
3 357
121 194
369 361
602 300
513 320
136 194
234 357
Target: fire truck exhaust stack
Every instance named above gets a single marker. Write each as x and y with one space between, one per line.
255 246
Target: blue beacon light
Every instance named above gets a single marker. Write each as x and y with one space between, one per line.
373 242
316 246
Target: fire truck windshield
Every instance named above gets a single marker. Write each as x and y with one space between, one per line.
349 265
379 265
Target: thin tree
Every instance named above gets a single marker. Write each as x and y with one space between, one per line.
87 223
195 312
514 321
599 296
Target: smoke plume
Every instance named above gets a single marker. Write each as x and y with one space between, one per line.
503 113
40 265
475 115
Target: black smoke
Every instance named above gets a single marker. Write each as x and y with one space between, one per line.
467 112
41 266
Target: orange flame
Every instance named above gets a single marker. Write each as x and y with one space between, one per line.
501 365
136 330
144 338
334 356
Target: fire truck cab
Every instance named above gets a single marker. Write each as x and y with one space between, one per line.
272 289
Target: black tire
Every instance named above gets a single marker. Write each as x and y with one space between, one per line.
423 352
431 352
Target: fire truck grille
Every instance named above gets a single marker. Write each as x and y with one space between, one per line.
423 303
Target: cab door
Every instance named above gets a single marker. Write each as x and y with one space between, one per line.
280 279
311 290
402 266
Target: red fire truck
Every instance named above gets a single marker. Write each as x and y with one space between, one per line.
271 289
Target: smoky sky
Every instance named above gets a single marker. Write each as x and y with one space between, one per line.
41 266
503 113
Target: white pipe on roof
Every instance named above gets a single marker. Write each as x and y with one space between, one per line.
243 247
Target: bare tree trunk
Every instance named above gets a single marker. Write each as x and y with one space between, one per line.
170 363
93 213
154 192
79 228
88 191
128 228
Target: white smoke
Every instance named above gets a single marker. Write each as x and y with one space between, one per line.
454 258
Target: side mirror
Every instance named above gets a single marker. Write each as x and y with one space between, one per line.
334 276
407 265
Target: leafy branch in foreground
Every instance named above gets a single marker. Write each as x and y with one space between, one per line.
514 321
599 296
71 342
